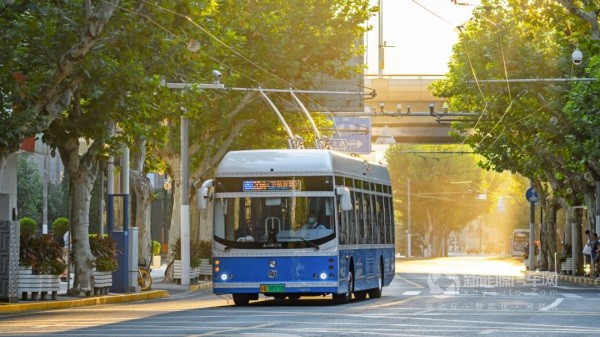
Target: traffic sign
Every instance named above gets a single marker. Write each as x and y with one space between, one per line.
352 135
532 196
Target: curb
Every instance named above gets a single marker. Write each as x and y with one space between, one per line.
568 278
48 305
579 280
195 287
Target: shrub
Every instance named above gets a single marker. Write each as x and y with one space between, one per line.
42 253
28 226
176 250
155 248
60 226
27 251
104 248
200 250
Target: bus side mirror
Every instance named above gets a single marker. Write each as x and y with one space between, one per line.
202 201
344 193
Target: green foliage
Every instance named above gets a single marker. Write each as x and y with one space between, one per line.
200 250
60 226
156 247
42 253
118 82
176 250
29 188
447 191
105 250
28 226
525 127
58 199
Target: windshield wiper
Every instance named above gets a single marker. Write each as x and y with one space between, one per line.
310 243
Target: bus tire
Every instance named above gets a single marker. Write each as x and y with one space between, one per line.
376 292
345 297
360 295
241 300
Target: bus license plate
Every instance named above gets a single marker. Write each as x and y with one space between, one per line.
272 288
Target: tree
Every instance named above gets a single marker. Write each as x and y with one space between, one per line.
445 190
29 189
42 45
526 39
320 40
58 199
120 85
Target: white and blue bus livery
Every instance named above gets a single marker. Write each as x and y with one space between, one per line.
263 243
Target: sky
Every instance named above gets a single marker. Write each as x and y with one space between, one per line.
423 37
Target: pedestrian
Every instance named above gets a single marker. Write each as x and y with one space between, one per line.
594 254
587 253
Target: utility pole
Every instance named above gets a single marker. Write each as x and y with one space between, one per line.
408 230
531 261
185 204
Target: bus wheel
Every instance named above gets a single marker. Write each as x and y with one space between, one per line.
360 295
294 297
241 300
376 292
345 298
279 297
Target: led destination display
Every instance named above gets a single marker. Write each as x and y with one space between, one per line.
271 185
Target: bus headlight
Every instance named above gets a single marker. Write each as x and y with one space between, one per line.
323 276
224 277
272 264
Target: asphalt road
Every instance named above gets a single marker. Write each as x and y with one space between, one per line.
457 296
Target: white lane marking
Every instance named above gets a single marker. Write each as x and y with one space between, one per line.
487 332
411 292
451 293
567 295
410 282
553 305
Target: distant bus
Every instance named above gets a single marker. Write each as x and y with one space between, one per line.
518 242
351 252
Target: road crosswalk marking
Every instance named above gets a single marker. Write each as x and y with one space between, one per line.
411 293
484 293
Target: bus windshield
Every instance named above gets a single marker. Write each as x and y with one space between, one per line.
520 241
274 222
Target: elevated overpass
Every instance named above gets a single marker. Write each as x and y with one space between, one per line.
396 94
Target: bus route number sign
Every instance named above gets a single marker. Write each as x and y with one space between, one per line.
272 288
271 185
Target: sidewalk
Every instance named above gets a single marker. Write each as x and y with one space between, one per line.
567 278
158 290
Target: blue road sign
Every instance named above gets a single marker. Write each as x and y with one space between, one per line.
352 135
532 196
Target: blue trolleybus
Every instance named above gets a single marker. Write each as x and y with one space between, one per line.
302 222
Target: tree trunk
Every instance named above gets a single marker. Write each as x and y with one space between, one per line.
82 172
427 239
548 233
3 161
574 221
142 189
143 205
175 226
